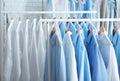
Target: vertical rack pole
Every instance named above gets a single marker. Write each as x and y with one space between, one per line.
0 42
2 3
48 49
42 8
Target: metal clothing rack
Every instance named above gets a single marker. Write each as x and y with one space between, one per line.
4 14
47 12
47 20
62 12
4 17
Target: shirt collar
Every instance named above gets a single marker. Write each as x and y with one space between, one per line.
52 38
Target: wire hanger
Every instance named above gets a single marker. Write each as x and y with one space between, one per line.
19 18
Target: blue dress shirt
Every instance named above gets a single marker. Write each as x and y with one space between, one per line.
97 66
83 68
62 28
71 69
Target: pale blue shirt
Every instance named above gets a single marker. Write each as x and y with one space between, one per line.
83 68
108 54
57 58
71 69
115 39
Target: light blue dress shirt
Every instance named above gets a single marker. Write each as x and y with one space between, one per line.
83 68
62 28
116 43
97 66
89 25
85 29
71 69
108 54
72 7
79 7
57 59
82 32
75 24
111 13
87 7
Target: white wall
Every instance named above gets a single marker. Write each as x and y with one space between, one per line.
24 5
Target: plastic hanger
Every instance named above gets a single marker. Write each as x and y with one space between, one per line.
78 29
53 31
67 30
102 29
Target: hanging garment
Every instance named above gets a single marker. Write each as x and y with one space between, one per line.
72 7
118 10
30 34
16 68
87 7
83 68
57 5
71 69
49 8
89 25
60 5
115 9
95 7
84 28
115 39
72 29
97 66
34 66
10 50
17 53
76 26
62 28
104 12
56 24
25 71
41 50
109 57
111 13
57 58
79 7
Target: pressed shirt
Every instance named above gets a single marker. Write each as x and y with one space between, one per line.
71 69
108 54
115 39
57 58
83 68
97 66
